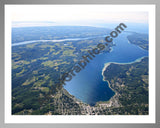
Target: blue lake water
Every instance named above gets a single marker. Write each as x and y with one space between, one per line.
88 85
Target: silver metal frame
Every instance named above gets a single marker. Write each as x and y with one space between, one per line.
5 2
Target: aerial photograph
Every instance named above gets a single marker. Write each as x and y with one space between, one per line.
79 60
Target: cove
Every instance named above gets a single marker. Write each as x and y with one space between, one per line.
88 85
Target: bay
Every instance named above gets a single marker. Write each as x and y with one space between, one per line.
88 85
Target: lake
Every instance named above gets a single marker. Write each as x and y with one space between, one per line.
88 85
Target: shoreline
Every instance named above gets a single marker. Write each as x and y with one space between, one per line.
108 63
137 45
109 85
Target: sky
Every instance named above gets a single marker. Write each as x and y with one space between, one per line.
78 14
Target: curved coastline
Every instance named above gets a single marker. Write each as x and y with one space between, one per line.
105 64
105 67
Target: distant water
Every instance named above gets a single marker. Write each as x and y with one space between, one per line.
88 85
59 40
35 41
